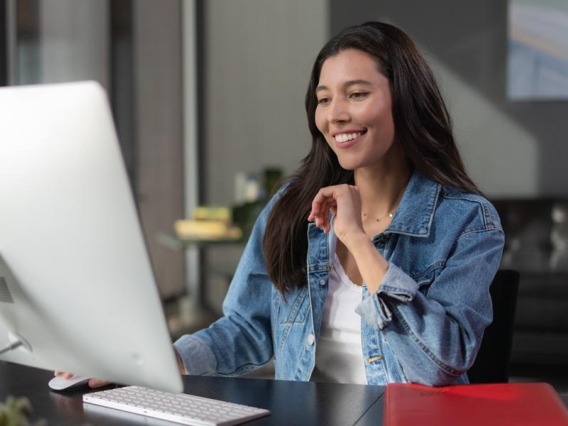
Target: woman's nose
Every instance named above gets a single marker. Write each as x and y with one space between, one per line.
339 111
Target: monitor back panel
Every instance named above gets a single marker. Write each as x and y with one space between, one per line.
76 282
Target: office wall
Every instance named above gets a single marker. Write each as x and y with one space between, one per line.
258 56
65 41
511 148
158 120
4 46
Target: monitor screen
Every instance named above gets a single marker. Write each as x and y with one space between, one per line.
77 291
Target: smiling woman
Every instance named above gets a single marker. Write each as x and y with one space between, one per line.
373 263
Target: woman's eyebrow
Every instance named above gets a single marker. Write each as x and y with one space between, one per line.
346 84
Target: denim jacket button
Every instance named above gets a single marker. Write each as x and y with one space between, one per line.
311 339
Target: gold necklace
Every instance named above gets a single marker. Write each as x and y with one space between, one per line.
394 206
378 219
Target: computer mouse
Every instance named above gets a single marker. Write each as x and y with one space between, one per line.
60 383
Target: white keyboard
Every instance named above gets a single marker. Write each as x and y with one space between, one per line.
180 408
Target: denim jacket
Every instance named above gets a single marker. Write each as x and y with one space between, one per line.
424 325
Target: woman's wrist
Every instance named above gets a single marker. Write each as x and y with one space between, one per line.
180 363
356 242
371 264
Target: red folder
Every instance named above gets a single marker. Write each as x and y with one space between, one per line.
499 404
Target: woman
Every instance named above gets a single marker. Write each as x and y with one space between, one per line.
373 264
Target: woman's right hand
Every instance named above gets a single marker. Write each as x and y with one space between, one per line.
93 383
344 202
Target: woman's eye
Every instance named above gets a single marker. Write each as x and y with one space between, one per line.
358 95
323 101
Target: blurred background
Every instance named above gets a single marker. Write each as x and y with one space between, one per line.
208 100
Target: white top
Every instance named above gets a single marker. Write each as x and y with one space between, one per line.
339 354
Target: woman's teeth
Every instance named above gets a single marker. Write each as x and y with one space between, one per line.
344 137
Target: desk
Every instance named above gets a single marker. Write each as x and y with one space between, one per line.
291 403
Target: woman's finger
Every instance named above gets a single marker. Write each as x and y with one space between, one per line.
97 383
65 374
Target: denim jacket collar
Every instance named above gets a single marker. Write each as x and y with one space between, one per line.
416 209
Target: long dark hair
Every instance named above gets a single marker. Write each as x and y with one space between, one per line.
422 128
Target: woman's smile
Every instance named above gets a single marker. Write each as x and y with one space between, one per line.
347 139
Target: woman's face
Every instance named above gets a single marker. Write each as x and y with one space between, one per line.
354 110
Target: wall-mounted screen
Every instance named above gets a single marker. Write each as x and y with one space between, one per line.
537 50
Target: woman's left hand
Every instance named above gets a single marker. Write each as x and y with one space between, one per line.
344 202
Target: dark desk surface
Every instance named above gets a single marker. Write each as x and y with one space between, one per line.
291 403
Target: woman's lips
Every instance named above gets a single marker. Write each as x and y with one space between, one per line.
347 139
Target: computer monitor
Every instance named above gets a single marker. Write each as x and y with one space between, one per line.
77 291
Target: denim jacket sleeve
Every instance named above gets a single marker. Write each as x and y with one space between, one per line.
434 321
241 340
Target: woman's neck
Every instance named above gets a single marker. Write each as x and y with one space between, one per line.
381 190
